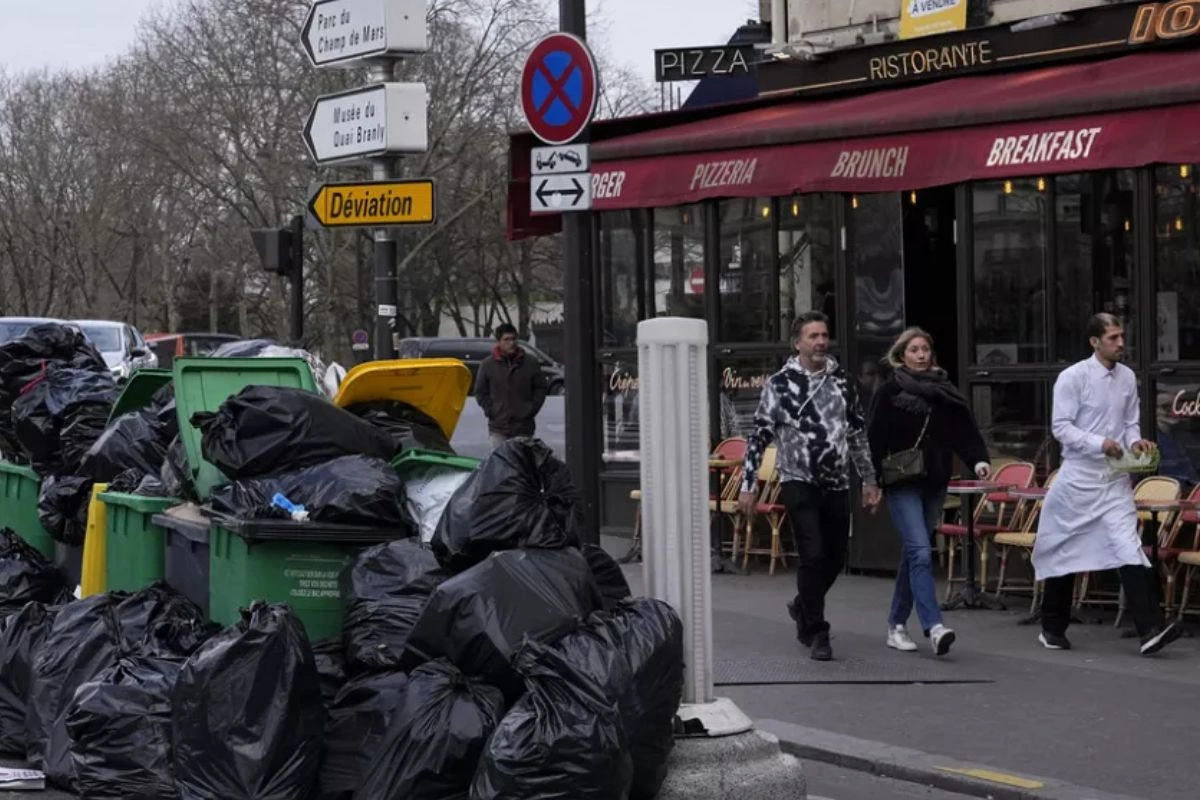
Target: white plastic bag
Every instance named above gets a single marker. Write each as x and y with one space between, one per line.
429 492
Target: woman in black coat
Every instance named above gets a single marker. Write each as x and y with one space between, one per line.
919 408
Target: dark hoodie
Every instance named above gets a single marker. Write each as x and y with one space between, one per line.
511 392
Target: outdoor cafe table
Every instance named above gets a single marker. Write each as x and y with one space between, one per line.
969 597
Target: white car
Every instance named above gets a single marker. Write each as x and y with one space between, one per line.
122 346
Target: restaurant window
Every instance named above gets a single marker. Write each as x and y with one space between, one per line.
1176 220
621 304
808 245
877 264
749 290
1012 263
1177 413
1094 268
679 261
740 383
1014 418
619 399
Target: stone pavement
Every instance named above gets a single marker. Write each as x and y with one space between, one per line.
1096 716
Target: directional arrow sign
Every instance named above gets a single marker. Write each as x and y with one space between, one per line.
553 193
344 31
388 118
375 204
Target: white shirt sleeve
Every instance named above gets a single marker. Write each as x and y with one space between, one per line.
1067 392
1133 414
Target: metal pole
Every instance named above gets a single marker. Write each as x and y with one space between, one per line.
582 381
386 281
296 312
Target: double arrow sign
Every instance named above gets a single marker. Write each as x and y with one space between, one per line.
560 179
564 193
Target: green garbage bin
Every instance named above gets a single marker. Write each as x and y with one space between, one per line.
136 546
19 489
282 561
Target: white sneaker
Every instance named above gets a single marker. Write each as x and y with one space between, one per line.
898 639
941 637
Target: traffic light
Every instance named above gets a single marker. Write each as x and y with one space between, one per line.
281 251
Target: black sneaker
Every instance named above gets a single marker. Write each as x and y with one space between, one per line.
805 639
1159 638
1054 641
821 651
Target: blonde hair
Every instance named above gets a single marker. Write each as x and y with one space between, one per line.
895 354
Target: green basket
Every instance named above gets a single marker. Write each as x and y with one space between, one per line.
281 561
136 547
19 490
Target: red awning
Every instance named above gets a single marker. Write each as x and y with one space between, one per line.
996 126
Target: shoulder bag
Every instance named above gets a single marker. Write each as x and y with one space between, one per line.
907 464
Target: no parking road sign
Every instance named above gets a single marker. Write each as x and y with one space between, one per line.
559 88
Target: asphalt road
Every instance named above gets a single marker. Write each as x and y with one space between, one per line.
827 782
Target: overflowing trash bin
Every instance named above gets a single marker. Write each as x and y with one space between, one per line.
306 563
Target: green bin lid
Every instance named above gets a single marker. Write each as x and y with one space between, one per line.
413 459
139 503
139 390
19 469
203 384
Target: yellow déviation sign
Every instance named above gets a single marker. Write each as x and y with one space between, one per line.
927 17
374 204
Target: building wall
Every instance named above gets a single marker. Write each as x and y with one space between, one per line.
833 24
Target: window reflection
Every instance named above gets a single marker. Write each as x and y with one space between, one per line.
1094 232
808 243
1014 418
679 261
741 382
877 263
1177 413
747 269
1011 265
619 398
620 238
1176 219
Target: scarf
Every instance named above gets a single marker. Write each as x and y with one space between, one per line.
919 391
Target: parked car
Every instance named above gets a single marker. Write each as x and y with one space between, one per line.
15 327
472 351
170 346
121 345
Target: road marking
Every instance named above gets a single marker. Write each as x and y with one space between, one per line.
996 777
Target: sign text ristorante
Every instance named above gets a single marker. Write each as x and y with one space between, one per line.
922 61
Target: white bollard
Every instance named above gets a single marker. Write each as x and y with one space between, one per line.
673 423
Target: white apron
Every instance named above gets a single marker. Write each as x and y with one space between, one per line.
1088 523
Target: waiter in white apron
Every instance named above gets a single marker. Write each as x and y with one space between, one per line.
1089 520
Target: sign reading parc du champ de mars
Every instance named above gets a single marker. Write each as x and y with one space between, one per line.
1087 33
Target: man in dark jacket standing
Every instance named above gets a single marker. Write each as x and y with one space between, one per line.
510 388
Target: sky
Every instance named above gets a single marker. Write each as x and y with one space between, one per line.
84 33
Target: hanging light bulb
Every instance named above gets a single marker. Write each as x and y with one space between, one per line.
1128 226
912 198
1184 170
766 211
854 201
1008 187
1041 184
795 208
1179 223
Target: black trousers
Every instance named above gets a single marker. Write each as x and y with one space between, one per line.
1140 600
820 522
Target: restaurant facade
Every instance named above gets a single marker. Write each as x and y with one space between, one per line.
996 186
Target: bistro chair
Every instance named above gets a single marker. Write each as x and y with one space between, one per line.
1007 517
1021 540
1155 487
1169 550
954 504
773 512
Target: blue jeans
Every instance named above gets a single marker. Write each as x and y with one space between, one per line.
916 512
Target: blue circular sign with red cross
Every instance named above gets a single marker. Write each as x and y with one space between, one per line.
559 88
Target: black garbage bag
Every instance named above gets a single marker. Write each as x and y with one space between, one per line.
162 407
63 508
132 481
384 590
120 730
351 490
520 496
435 740
410 427
176 474
21 636
255 682
60 416
607 573
330 657
134 441
359 722
27 576
265 430
562 739
27 359
479 618
89 637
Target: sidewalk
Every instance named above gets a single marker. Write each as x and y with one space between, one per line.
1098 716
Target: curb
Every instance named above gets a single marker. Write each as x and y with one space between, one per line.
915 766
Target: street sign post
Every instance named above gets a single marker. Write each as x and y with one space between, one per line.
361 124
555 193
559 88
341 32
360 340
374 204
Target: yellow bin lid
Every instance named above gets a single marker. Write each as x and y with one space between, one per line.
437 386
